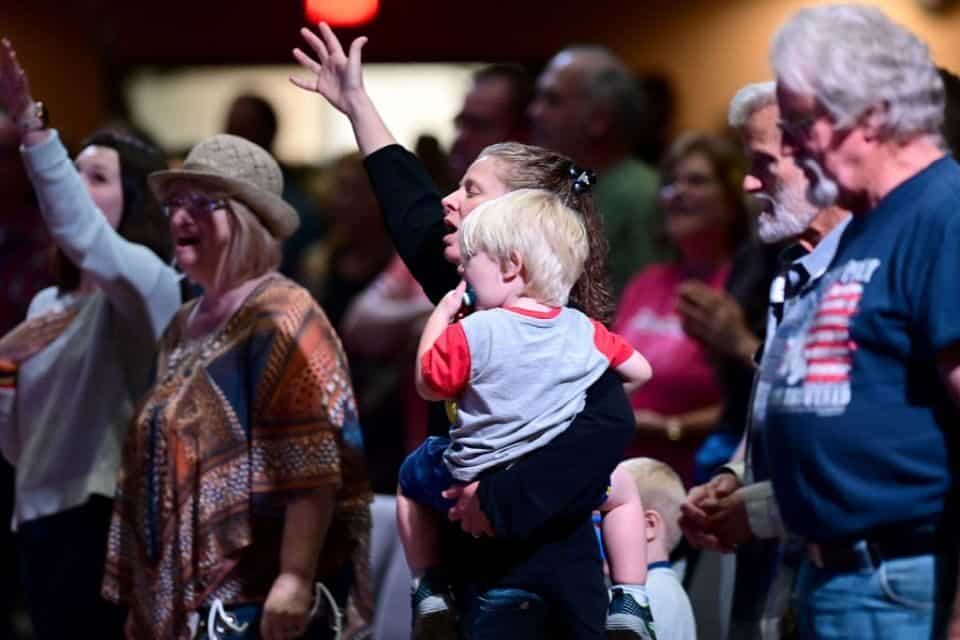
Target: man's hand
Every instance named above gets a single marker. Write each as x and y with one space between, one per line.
728 521
715 319
467 510
702 502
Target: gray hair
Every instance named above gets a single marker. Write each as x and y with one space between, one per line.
749 100
609 83
852 58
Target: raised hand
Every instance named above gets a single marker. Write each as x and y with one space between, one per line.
14 87
334 75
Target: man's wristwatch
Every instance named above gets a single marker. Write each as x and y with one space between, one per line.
33 118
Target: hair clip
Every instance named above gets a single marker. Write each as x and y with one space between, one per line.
583 179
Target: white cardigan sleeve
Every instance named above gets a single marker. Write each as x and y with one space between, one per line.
138 284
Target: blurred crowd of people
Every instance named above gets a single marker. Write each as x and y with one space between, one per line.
208 366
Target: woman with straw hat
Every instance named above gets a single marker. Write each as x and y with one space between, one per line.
243 481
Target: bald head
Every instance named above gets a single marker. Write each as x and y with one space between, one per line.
586 99
589 59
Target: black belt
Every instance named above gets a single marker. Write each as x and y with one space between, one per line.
870 552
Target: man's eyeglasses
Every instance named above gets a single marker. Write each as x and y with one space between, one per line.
194 204
797 129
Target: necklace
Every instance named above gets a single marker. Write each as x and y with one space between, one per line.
201 349
194 349
198 350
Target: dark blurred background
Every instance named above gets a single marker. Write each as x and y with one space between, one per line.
79 53
174 68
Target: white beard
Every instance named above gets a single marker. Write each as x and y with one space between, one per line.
791 215
822 191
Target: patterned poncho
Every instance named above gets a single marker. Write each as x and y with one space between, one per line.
237 424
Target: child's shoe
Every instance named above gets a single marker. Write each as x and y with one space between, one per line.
629 617
434 617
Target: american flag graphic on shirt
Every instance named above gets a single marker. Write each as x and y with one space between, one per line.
829 350
812 372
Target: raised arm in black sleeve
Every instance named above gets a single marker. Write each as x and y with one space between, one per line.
568 478
413 214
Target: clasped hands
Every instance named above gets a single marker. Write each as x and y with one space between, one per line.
714 517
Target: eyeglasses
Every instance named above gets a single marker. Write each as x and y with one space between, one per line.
195 204
797 129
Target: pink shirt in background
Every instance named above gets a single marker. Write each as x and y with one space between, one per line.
683 379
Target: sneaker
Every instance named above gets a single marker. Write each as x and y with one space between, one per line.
627 619
434 617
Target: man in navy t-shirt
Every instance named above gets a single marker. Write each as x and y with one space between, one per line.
858 428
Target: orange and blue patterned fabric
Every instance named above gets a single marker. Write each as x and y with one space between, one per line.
237 424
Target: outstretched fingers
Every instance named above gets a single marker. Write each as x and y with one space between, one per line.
306 61
14 87
311 65
330 40
354 66
9 68
6 49
316 44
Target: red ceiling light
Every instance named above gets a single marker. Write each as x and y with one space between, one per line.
341 13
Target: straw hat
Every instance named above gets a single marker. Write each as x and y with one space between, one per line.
240 169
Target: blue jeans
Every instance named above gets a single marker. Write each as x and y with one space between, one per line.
893 600
504 614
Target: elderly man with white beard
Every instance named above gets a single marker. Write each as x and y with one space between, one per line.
737 506
858 432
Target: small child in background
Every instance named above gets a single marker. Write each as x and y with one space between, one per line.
662 493
519 368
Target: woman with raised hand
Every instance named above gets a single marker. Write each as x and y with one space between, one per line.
538 511
78 365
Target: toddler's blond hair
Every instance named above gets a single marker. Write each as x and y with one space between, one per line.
549 237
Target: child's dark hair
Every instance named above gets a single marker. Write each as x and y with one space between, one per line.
527 167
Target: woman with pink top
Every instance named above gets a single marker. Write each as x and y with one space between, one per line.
705 219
